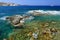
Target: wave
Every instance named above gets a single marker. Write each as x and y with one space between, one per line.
3 18
52 12
30 18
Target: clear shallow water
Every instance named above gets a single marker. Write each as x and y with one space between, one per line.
5 28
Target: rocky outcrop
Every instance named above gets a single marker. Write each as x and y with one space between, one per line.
43 12
18 20
35 13
8 4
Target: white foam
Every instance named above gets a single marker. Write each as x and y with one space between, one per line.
44 12
29 18
3 18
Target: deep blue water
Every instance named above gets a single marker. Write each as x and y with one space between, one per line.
22 9
5 28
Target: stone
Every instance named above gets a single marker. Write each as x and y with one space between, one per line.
18 20
15 20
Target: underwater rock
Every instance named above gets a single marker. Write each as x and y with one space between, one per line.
53 22
53 31
4 39
29 34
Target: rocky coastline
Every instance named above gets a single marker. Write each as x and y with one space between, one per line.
8 4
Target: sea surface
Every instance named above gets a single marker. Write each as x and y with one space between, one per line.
5 28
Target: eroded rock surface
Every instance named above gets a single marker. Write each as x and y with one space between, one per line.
18 20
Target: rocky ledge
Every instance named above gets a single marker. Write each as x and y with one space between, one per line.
8 4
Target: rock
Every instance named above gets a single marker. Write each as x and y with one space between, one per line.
22 21
53 22
35 35
18 25
15 20
42 12
18 20
30 33
46 24
53 31
47 34
35 13
4 39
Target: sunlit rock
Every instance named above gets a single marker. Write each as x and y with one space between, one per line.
18 20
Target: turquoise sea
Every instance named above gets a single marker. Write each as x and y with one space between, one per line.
5 27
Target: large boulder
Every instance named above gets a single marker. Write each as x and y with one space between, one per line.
15 20
18 20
